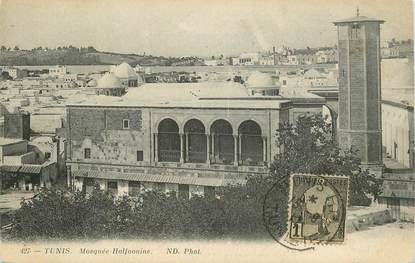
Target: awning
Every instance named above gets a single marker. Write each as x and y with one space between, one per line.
31 169
203 181
10 168
398 193
27 168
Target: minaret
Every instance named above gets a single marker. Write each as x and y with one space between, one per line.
360 89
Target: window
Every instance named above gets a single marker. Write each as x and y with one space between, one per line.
159 187
112 187
209 192
183 191
88 185
355 32
47 155
139 156
134 188
87 153
284 82
125 124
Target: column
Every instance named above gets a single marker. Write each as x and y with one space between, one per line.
68 174
264 147
235 151
240 147
156 146
186 136
213 147
208 148
181 148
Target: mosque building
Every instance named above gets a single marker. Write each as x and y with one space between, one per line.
127 75
108 85
182 137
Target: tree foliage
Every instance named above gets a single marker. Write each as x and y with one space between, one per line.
309 147
61 214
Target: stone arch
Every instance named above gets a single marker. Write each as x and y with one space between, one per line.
259 123
195 142
251 145
222 142
157 123
192 117
211 122
334 117
168 141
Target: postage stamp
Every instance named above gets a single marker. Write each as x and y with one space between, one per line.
317 208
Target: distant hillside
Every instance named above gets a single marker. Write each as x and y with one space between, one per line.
77 56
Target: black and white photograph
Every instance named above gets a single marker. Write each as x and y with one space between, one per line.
207 131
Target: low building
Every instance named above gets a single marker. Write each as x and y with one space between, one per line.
304 56
267 60
398 132
326 56
20 167
58 71
399 194
292 60
398 110
249 59
69 77
210 62
14 123
15 73
234 61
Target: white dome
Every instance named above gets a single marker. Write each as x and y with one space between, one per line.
259 80
109 80
124 70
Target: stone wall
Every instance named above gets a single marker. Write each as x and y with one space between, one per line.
16 125
101 130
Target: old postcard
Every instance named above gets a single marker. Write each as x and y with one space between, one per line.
207 131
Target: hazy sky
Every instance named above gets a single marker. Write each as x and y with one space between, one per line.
184 27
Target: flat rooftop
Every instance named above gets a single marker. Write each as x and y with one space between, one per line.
202 103
222 95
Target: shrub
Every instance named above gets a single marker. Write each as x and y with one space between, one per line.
67 215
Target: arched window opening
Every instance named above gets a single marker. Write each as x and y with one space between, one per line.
251 143
168 141
222 143
195 142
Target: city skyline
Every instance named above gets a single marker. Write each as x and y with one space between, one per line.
184 28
